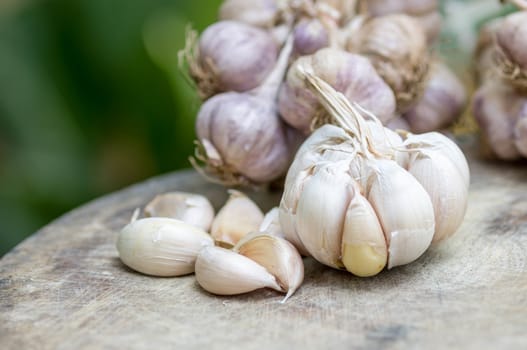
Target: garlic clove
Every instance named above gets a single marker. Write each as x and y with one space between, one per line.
161 246
320 222
225 272
404 210
191 208
271 223
445 186
364 249
279 257
239 216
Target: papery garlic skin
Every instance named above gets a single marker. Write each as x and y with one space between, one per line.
442 102
161 246
398 123
279 257
351 74
233 57
397 47
496 107
239 216
191 208
225 272
259 13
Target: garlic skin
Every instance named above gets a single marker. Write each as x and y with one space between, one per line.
511 40
239 216
398 123
496 107
310 35
232 56
351 74
397 47
279 257
191 208
485 52
271 223
443 101
225 272
258 13
161 246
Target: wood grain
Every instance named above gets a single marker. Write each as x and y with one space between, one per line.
65 287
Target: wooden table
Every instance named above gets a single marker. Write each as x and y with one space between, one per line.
65 287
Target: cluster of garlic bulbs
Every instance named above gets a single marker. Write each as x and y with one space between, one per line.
257 109
236 251
361 197
500 103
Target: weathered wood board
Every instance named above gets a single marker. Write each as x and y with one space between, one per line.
65 287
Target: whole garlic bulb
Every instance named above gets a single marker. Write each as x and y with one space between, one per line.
511 40
191 208
351 74
376 210
258 13
242 139
442 102
231 56
396 45
496 108
161 246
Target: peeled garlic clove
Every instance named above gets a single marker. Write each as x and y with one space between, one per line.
404 210
191 208
442 102
364 249
321 207
225 272
161 246
496 107
279 257
259 13
446 188
271 223
520 133
239 216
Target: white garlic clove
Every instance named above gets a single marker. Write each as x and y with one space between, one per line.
271 223
364 249
191 208
446 188
239 216
404 210
225 272
279 257
161 246
321 208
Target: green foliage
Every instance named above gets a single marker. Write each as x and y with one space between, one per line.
91 100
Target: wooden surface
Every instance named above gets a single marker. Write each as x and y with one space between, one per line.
65 288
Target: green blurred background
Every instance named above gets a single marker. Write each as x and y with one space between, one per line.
91 98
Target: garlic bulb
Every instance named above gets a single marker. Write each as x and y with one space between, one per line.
279 257
242 140
351 74
442 102
511 40
377 210
239 216
230 56
496 108
310 35
485 52
398 123
396 45
161 246
191 208
259 13
225 272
